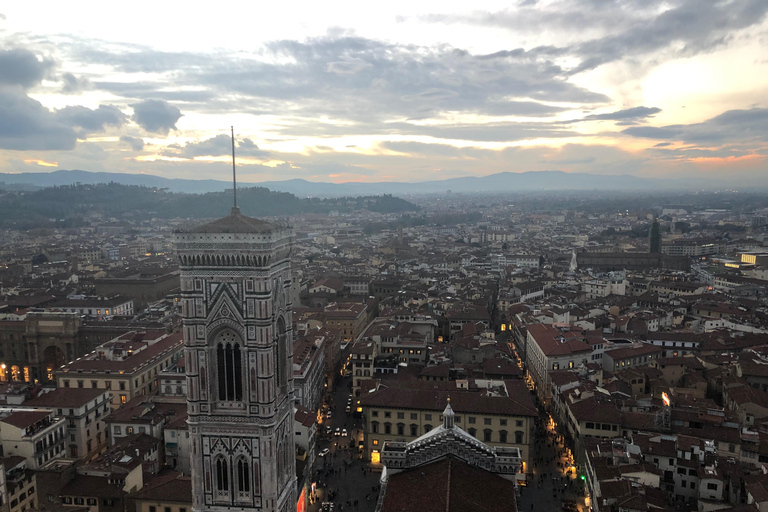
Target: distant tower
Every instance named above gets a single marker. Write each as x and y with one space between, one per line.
654 237
574 262
236 309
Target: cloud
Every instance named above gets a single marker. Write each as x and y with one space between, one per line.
156 116
342 77
420 148
91 121
691 27
620 29
623 115
135 143
26 125
652 132
730 126
348 66
21 67
220 145
91 151
73 85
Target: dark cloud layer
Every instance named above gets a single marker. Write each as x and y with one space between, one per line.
630 28
624 115
21 67
25 124
135 143
156 116
730 126
91 121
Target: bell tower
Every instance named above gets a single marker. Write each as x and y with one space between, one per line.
238 344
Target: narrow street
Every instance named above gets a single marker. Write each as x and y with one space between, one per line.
344 475
551 487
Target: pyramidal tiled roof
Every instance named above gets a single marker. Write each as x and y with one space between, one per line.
236 222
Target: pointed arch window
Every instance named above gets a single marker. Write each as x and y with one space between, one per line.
229 367
243 477
222 476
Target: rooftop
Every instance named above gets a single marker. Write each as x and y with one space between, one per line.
235 222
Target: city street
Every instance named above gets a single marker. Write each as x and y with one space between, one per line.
345 475
348 478
550 488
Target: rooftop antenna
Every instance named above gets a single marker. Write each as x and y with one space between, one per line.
234 174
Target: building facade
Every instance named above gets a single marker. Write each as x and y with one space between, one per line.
403 415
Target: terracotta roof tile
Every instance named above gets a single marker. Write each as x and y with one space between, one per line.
448 485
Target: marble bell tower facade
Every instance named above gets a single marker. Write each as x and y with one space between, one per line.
238 344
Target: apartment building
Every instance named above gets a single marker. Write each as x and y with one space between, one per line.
35 434
128 365
309 371
83 410
349 318
171 492
554 348
404 414
19 485
361 359
624 357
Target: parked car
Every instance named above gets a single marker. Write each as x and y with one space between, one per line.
324 452
329 414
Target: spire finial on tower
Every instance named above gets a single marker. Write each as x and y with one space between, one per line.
235 209
448 416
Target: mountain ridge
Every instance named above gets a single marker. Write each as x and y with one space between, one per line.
499 182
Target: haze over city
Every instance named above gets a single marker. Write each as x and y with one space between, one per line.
392 91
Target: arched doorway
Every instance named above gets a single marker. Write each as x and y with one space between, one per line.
53 357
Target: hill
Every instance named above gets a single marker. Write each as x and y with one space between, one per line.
71 205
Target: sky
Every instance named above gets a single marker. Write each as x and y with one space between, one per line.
392 91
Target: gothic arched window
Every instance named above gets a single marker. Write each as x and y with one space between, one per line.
222 475
243 477
229 367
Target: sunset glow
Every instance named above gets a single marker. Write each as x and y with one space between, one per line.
403 93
